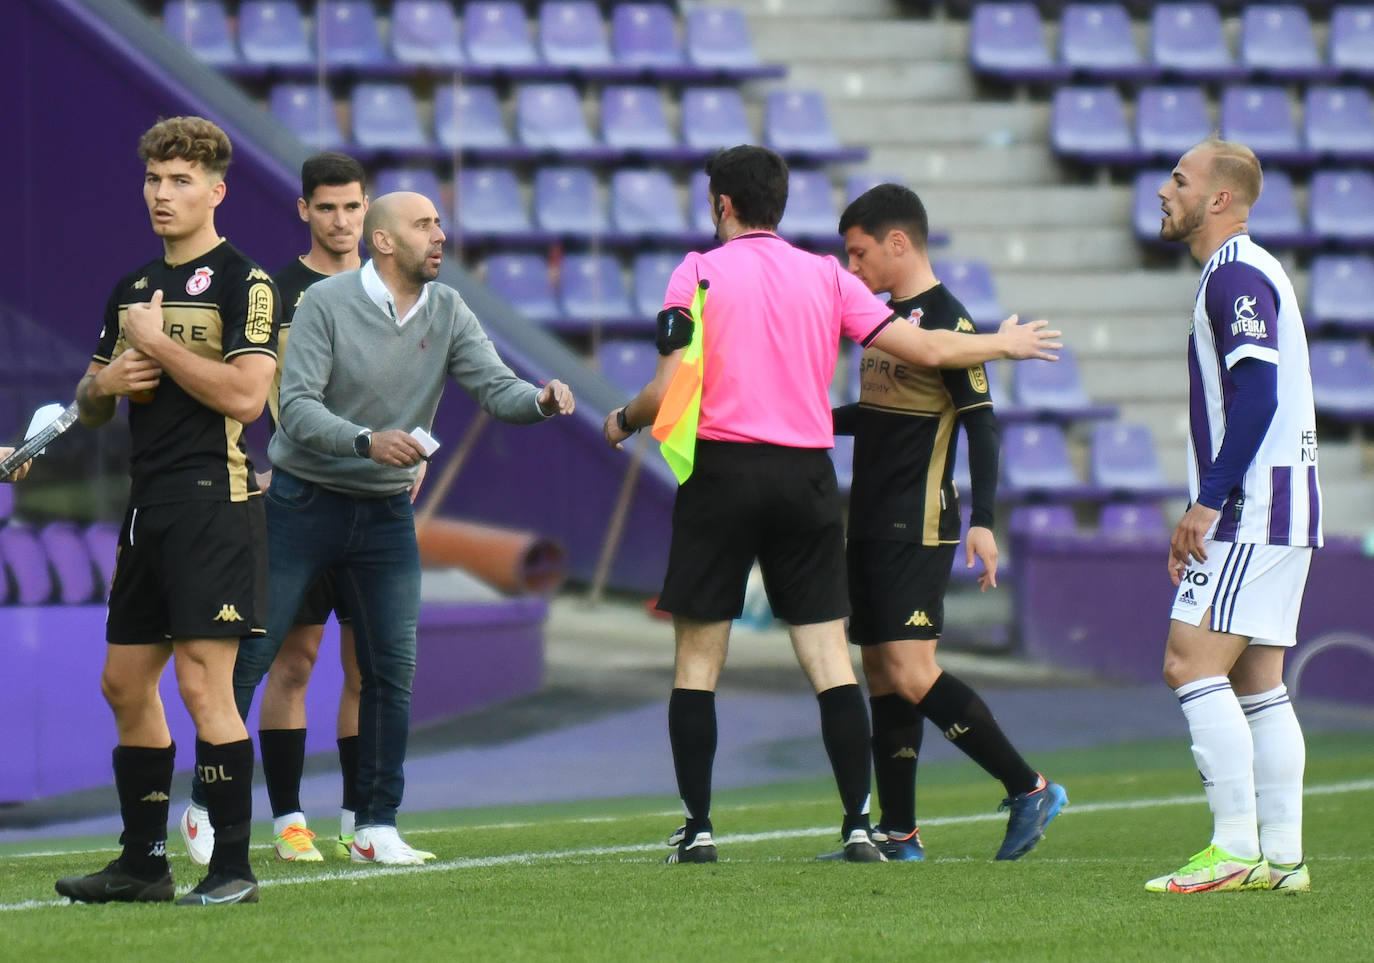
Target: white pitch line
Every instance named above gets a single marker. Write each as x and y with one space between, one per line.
509 859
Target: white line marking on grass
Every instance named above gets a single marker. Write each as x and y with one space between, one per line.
510 859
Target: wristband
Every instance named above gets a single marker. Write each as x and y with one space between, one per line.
622 423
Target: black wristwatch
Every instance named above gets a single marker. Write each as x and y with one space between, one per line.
362 443
622 424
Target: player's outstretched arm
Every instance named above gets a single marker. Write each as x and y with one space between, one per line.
940 348
643 407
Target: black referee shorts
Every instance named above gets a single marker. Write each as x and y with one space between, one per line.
897 589
743 502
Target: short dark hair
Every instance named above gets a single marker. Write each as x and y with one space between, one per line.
755 180
331 169
192 139
885 208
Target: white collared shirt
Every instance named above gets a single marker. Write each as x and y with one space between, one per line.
377 290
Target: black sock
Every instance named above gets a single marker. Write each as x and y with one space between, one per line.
692 734
227 772
844 728
283 761
348 768
143 779
897 730
967 722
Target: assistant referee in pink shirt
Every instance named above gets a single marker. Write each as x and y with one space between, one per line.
763 487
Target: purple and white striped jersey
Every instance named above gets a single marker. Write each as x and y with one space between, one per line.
1245 308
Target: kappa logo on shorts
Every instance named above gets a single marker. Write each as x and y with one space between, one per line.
228 613
1187 598
919 617
156 795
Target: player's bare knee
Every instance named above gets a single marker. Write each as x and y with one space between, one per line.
292 670
123 694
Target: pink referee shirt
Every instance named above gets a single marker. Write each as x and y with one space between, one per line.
773 322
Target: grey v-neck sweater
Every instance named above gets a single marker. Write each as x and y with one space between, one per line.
348 366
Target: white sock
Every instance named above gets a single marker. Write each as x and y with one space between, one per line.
346 822
1280 755
279 823
1225 758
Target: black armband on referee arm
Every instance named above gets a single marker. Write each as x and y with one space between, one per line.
845 418
980 424
675 328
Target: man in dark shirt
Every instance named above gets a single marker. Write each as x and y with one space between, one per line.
191 339
904 528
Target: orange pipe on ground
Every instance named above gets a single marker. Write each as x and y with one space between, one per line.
510 560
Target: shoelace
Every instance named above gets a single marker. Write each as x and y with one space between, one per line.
298 837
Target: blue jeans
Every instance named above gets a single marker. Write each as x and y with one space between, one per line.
370 545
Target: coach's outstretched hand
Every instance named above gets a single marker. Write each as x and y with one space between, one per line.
556 399
19 472
1030 340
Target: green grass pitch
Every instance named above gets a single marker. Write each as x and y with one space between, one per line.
586 881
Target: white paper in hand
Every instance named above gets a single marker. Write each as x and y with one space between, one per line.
427 441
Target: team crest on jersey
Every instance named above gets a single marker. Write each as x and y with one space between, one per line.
199 281
915 316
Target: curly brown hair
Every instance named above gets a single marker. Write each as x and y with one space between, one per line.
193 139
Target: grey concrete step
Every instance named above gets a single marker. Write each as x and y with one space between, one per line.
1099 335
1028 164
1052 248
786 9
956 209
1046 292
849 79
1119 379
903 121
803 38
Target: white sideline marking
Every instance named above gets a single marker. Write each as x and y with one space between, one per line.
474 862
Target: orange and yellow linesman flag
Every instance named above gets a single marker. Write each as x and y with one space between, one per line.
676 424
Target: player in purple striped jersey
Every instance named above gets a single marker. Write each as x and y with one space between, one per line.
1240 556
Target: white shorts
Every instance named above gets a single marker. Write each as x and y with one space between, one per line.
1252 590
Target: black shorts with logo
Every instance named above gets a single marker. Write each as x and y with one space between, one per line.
320 599
743 502
897 589
189 570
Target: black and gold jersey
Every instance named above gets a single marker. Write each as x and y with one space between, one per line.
905 433
292 281
219 305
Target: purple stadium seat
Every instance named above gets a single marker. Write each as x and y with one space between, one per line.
1276 41
1275 218
1132 520
1035 461
549 117
1352 40
699 203
308 111
420 180
718 37
1007 40
1005 404
424 33
714 117
651 272
1095 39
1123 459
843 457
1089 124
633 119
385 118
1342 379
1261 117
202 27
346 35
1170 120
971 282
644 204
1025 519
71 561
495 34
810 211
469 117
1339 123
489 204
567 202
27 562
591 290
644 35
1342 207
523 280
629 365
1055 389
797 124
572 34
1187 41
1146 214
1342 292
272 34
102 540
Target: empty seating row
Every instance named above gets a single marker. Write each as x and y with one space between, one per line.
642 39
590 290
1089 124
1116 520
1187 40
1340 209
550 118
58 563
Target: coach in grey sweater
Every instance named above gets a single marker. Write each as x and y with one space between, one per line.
366 363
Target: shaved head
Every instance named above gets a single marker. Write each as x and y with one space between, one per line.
391 210
404 237
1233 167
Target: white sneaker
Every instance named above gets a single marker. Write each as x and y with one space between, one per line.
383 845
198 834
